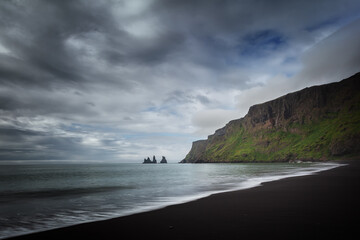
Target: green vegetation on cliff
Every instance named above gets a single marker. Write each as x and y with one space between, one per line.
317 123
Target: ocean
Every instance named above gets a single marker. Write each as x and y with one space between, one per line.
40 196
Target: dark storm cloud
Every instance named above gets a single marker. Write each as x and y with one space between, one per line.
15 144
144 67
37 32
32 145
230 15
230 31
21 143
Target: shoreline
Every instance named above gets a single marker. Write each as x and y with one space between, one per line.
170 201
178 221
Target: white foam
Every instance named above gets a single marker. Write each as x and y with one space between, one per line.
246 184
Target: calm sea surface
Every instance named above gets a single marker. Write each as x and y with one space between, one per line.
36 197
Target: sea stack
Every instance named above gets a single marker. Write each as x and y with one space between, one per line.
163 160
147 160
154 161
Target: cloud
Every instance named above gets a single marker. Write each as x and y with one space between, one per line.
336 57
119 79
207 121
332 59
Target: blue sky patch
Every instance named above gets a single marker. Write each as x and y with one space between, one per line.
261 43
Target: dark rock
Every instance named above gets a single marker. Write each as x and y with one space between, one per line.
196 152
347 146
147 160
163 160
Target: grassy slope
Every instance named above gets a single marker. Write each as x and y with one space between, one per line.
310 140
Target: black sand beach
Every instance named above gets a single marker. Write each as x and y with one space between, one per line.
316 206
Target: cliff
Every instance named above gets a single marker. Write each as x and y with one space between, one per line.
316 123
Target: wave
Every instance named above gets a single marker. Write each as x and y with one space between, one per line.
163 202
49 193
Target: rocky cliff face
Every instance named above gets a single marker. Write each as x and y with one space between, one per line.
316 123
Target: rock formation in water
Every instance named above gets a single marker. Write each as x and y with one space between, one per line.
163 160
147 160
154 161
316 123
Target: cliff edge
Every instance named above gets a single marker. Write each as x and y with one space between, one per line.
316 123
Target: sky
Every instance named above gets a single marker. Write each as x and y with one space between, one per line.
121 80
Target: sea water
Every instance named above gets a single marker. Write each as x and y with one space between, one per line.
40 196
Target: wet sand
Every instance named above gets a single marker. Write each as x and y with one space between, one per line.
308 207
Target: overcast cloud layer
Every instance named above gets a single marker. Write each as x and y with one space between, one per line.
123 80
